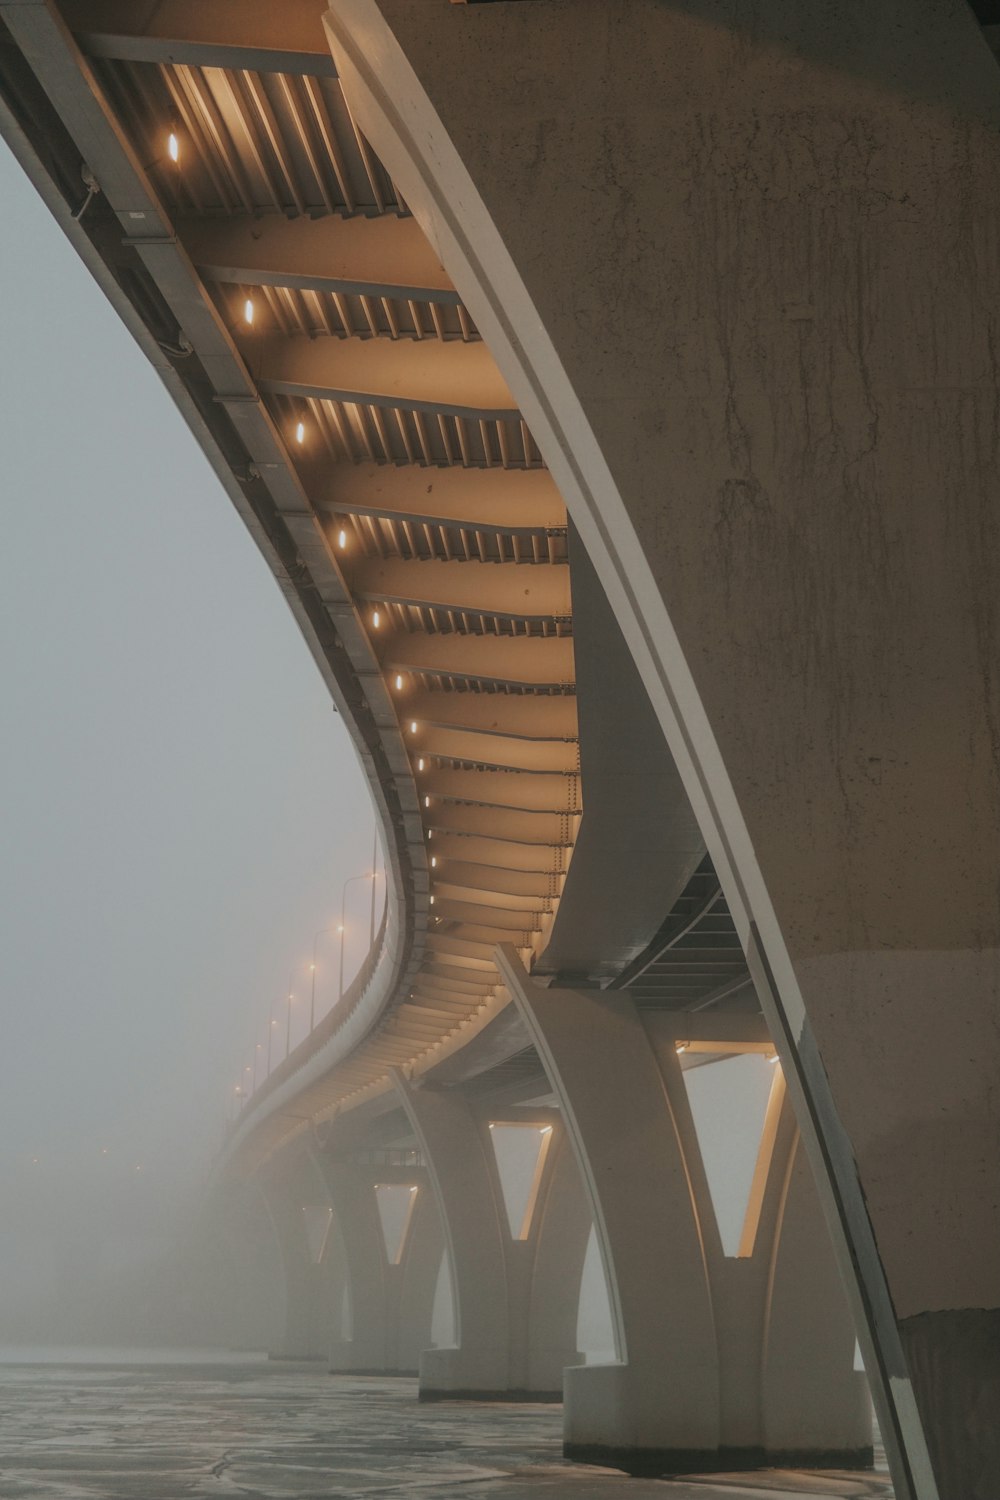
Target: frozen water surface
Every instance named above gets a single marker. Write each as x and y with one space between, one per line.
117 1425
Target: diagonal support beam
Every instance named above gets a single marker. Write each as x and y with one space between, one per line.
504 789
496 849
518 660
505 885
476 954
514 717
546 829
499 751
512 501
452 979
510 591
254 34
488 902
455 909
476 958
379 257
494 927
453 379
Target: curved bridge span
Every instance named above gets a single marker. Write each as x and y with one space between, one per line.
606 387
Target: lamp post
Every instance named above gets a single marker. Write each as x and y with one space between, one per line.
270 1034
369 875
371 934
312 974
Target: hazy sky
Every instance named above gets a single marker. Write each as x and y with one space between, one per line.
180 802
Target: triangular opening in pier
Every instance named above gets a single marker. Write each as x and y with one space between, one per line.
395 1205
595 1334
316 1220
520 1157
729 1100
443 1312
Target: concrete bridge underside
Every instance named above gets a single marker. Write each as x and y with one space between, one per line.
612 390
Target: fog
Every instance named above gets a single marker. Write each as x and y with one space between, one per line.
181 805
181 808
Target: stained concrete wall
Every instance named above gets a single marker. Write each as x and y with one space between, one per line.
737 267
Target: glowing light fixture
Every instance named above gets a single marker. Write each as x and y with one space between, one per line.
432 900
248 314
420 764
413 726
427 802
342 539
434 860
681 1047
399 681
300 432
173 146
376 618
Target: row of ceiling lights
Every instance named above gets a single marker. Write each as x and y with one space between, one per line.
249 313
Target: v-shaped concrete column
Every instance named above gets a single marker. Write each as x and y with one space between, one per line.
312 1286
515 1300
657 1408
722 1362
391 1301
737 267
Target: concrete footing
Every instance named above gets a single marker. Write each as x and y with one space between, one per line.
666 1463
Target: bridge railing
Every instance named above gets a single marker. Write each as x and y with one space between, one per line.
335 1017
329 1042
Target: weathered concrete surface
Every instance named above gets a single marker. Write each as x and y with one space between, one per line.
731 260
721 1362
165 1432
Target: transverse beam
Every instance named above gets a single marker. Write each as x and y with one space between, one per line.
254 34
378 257
455 379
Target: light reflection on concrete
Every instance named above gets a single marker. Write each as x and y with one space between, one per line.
169 1431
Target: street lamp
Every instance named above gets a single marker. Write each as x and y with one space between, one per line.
312 973
371 933
270 1034
351 879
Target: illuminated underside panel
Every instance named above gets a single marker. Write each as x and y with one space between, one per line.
267 263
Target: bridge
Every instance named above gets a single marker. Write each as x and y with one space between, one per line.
611 389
